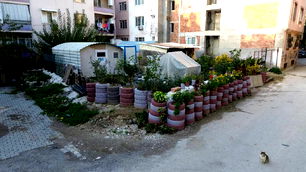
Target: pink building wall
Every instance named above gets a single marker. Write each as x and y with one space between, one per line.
122 15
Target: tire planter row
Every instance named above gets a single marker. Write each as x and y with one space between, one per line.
141 99
126 97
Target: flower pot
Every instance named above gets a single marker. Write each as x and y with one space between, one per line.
90 85
153 119
206 109
198 98
154 109
219 104
127 95
206 100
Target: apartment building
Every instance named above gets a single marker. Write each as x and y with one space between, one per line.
218 26
35 14
141 20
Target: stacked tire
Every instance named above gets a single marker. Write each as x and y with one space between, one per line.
245 87
101 93
239 89
190 115
213 100
176 121
219 97
198 107
126 97
113 95
91 92
225 95
249 85
264 77
141 99
155 112
231 90
206 103
235 90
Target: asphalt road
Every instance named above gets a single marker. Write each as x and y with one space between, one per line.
273 121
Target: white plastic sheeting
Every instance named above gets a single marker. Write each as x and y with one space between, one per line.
178 64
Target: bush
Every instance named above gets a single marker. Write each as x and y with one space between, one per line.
206 63
275 70
223 64
49 98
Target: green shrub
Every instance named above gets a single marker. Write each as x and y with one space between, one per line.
141 119
275 70
206 63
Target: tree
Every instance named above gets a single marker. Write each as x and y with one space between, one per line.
62 31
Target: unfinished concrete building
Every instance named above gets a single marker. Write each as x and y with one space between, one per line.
260 28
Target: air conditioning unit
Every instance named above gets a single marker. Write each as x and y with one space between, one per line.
140 27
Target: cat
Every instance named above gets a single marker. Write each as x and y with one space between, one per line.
264 158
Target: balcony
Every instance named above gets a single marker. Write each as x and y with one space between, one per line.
20 27
104 11
105 29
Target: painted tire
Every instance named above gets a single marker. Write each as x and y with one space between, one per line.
172 106
219 104
171 113
127 96
101 86
179 125
126 90
113 89
198 115
138 97
213 107
90 85
141 93
156 108
158 104
198 109
123 100
125 104
101 100
90 99
198 104
140 106
91 94
198 98
153 119
90 90
190 118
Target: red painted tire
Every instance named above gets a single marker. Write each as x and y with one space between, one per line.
177 117
172 106
90 85
213 93
91 99
190 118
126 90
127 96
126 104
199 115
158 104
152 112
189 111
90 90
198 109
198 98
153 119
123 100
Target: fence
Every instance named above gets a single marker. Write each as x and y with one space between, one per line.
270 56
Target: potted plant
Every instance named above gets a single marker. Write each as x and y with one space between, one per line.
186 80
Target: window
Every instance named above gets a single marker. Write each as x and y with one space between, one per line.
210 2
138 2
79 1
139 39
172 5
97 3
125 39
294 11
100 54
171 27
301 17
16 12
122 6
140 21
191 40
123 24
116 55
79 17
